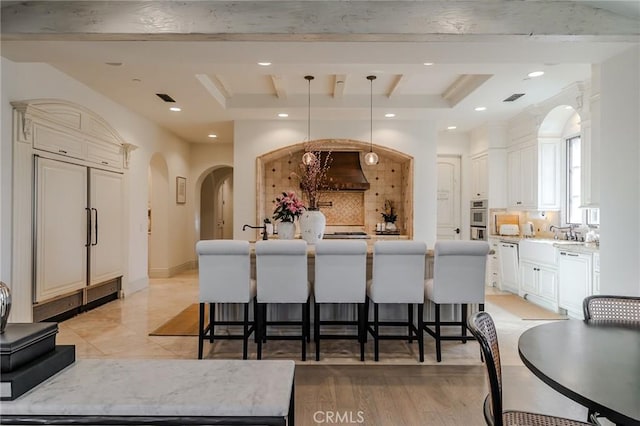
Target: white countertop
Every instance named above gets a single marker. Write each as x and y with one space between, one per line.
162 388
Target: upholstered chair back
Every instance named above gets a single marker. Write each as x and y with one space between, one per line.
398 272
281 271
340 271
224 271
459 271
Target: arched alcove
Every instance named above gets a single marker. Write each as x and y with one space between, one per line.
390 179
158 205
216 204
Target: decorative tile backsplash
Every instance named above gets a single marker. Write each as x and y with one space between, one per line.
356 211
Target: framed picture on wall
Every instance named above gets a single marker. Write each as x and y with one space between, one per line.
181 190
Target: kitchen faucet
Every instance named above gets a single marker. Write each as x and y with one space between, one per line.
570 234
265 235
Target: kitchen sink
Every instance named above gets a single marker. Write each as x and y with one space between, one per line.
552 241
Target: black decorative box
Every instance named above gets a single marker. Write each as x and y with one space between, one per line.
23 342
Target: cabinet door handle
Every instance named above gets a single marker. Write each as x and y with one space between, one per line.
88 226
573 254
95 227
62 151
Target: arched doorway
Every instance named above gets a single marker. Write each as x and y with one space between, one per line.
158 217
216 205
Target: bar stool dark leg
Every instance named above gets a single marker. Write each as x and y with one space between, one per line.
316 328
463 322
303 329
201 331
245 332
438 344
362 331
376 337
212 319
308 320
256 320
365 320
421 331
410 321
260 329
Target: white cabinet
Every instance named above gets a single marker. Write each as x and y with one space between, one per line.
575 281
539 273
493 264
508 253
479 177
596 273
533 173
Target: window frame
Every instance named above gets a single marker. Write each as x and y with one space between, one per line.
568 172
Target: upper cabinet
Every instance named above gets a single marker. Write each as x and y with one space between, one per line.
479 177
533 176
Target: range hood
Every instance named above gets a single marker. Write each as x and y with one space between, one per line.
345 173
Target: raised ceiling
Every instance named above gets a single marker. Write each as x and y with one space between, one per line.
205 55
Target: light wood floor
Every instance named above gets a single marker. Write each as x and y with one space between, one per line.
398 391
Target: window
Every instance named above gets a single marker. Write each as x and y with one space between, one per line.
574 213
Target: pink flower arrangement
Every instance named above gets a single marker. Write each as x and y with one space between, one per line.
288 207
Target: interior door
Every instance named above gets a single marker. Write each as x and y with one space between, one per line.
60 228
107 224
448 198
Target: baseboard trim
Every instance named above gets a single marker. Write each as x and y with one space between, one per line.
172 271
135 286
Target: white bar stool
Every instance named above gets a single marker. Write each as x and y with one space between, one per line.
281 275
340 277
458 277
398 277
224 271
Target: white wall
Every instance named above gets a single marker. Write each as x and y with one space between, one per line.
418 139
35 81
620 174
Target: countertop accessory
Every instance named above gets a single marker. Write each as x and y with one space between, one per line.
5 305
528 230
509 229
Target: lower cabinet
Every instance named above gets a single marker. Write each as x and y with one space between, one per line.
539 283
508 254
575 271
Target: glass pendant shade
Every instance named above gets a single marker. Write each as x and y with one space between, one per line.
308 158
371 158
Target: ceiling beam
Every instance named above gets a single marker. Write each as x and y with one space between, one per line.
401 20
395 85
463 87
212 89
279 86
339 81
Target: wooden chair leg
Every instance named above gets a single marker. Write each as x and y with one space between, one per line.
260 329
307 328
303 329
201 331
256 320
365 320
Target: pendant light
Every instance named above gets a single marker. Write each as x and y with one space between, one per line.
308 157
371 158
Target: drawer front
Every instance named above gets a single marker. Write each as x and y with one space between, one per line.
106 155
45 310
99 291
48 139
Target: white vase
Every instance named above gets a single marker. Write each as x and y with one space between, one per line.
286 230
312 224
390 226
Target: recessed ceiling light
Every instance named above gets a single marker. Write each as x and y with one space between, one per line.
568 107
283 115
428 64
451 128
175 109
264 64
480 108
212 135
536 73
389 115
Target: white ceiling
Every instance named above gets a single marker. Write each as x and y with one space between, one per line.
244 90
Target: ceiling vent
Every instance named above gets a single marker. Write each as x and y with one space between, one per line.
514 97
165 97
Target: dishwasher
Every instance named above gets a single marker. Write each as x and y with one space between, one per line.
509 266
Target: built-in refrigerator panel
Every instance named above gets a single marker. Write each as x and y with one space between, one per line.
107 224
60 251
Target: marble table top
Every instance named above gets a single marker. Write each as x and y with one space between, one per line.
162 388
